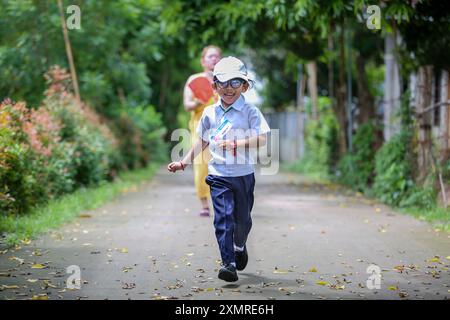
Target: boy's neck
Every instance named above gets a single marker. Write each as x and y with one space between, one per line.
224 104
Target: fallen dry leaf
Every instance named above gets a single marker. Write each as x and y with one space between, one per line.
38 266
322 283
337 287
5 287
281 271
48 284
40 297
126 269
270 284
312 270
382 229
393 288
399 268
158 297
434 259
21 261
128 286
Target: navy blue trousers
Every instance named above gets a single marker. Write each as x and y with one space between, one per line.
232 198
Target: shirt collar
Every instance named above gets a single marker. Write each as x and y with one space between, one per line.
238 104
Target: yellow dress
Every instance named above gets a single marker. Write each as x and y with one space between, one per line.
201 161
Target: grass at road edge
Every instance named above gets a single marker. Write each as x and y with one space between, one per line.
18 229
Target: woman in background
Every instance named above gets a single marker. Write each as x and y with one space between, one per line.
198 94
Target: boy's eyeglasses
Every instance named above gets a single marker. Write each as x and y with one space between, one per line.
235 83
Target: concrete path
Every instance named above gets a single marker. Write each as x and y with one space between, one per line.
308 241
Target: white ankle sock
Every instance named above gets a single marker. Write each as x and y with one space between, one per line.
240 249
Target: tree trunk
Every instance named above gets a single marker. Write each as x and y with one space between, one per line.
330 64
164 84
424 99
312 87
341 96
366 102
445 116
300 110
445 135
391 87
69 52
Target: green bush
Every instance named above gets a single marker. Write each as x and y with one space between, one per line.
394 168
21 186
93 149
150 124
141 133
94 146
357 169
64 145
130 142
320 142
393 179
58 172
51 150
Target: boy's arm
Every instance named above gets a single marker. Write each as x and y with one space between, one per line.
189 158
251 142
199 146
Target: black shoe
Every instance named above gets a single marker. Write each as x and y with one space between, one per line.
241 259
228 273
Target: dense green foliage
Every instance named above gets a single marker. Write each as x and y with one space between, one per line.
320 143
356 169
63 145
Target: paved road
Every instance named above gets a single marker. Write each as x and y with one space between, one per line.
308 241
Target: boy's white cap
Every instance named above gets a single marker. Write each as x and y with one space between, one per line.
229 68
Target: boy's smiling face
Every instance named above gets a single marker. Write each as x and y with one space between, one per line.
229 95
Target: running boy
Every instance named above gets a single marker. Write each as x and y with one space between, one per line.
230 127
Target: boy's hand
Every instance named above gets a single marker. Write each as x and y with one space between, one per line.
226 144
175 166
